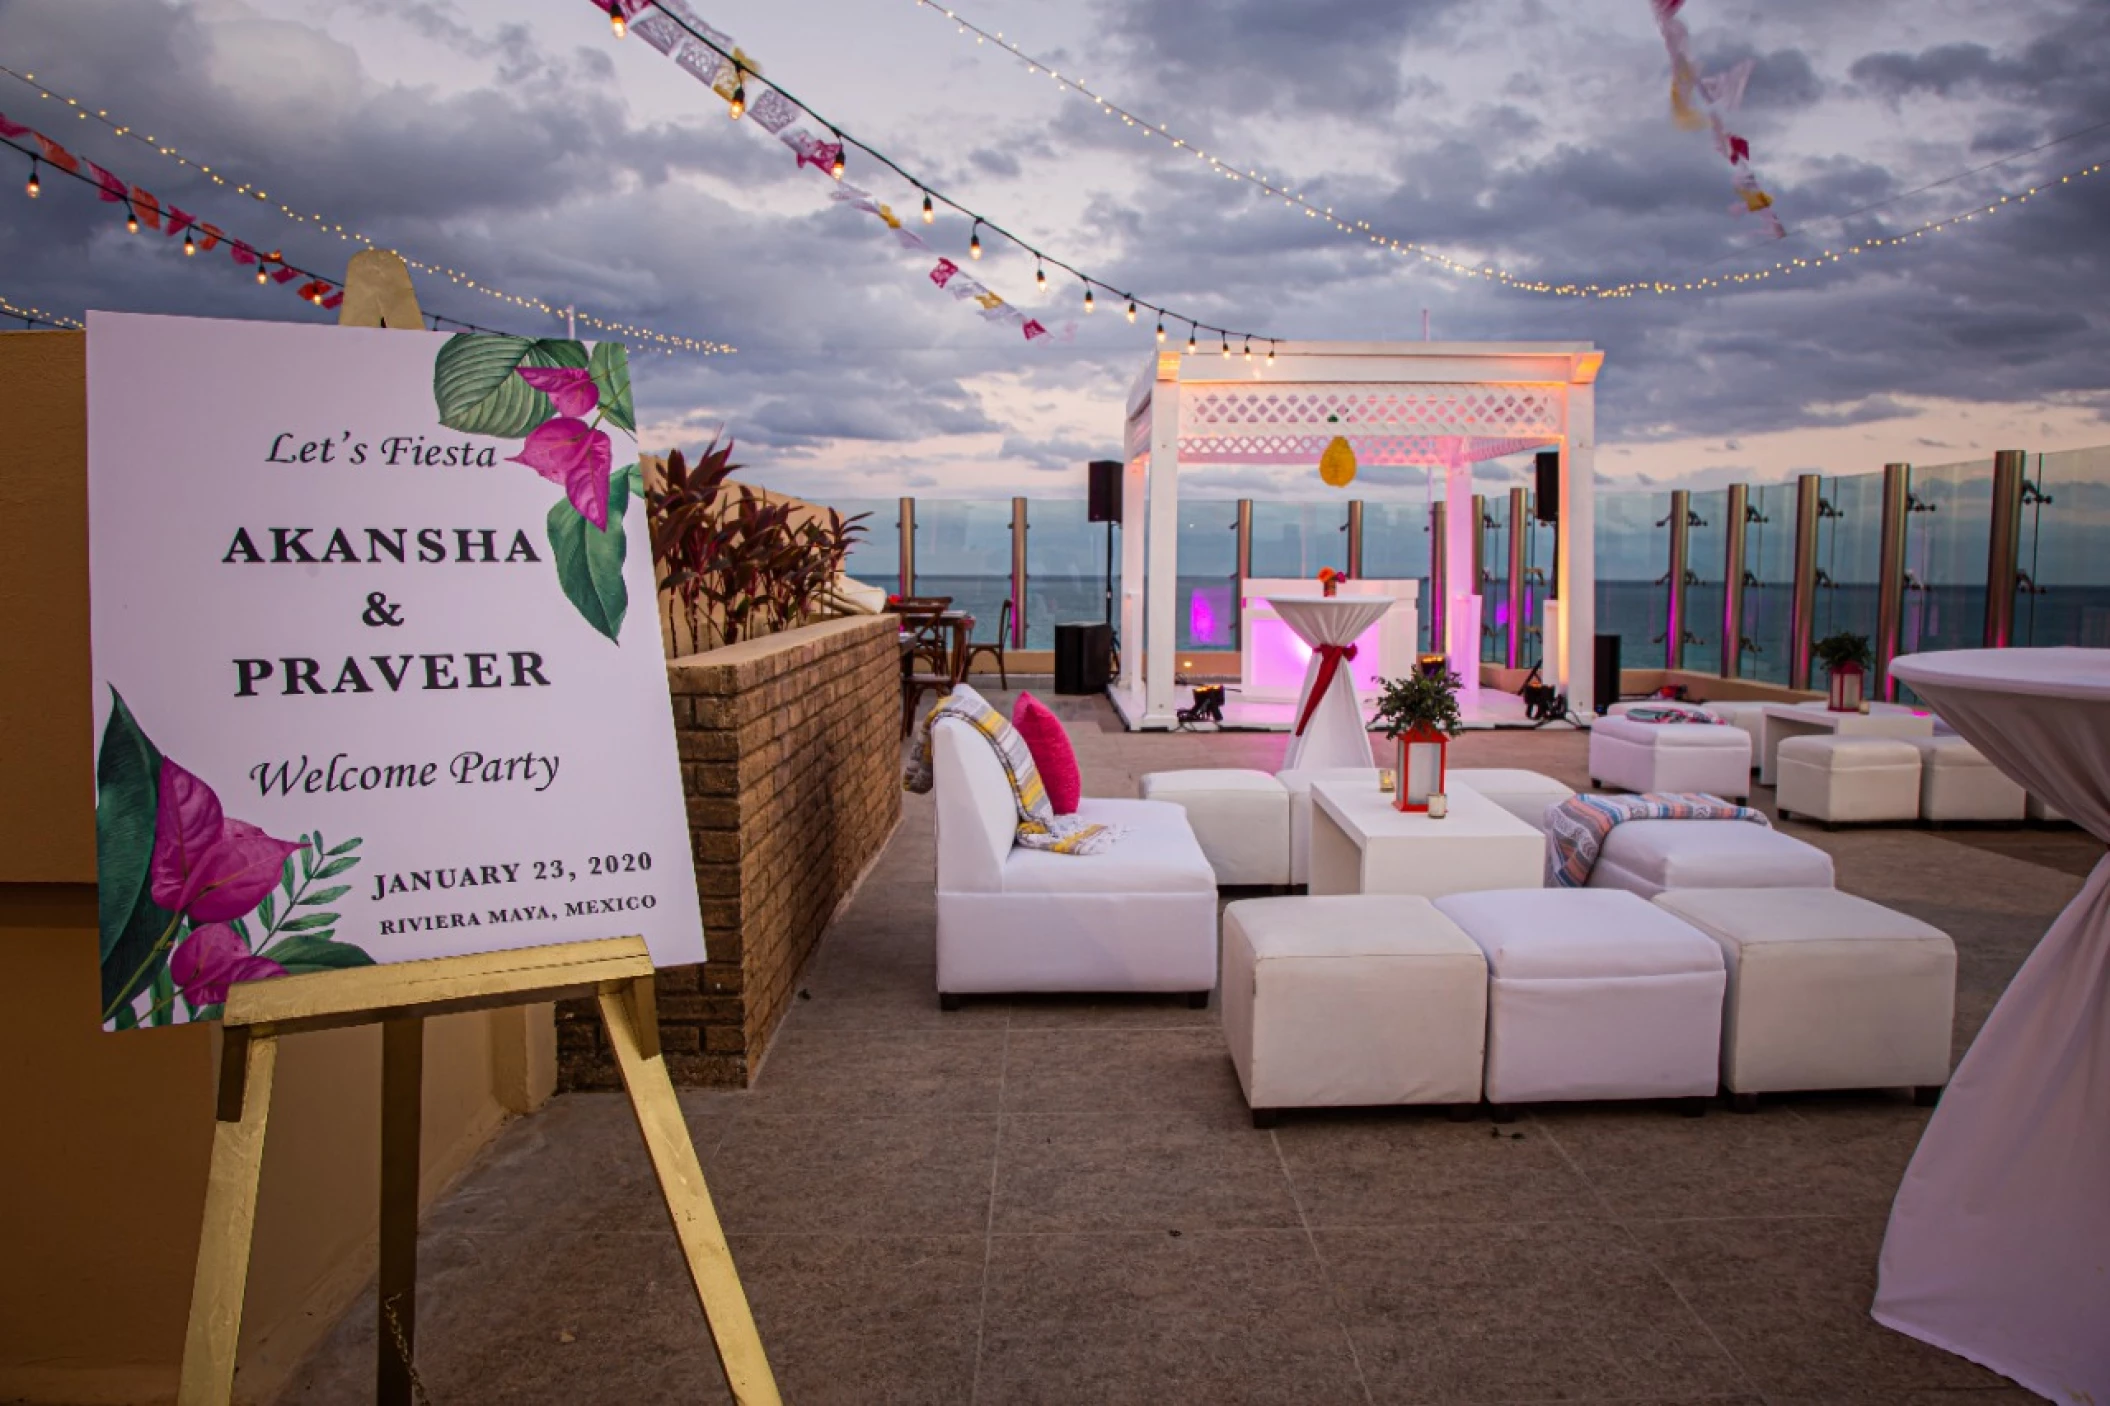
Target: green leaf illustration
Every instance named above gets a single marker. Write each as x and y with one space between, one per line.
127 788
161 1009
312 954
265 912
337 866
348 846
328 895
308 922
476 391
590 561
610 364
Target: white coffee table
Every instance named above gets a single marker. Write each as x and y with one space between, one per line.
1361 844
1784 720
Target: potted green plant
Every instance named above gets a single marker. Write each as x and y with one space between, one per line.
1845 658
1420 714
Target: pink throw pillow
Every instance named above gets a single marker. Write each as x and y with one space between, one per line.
1049 743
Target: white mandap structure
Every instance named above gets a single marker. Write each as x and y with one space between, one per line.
1427 405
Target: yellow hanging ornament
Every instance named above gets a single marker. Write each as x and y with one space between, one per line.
1337 464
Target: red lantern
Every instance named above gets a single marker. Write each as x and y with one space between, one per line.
1422 754
1845 688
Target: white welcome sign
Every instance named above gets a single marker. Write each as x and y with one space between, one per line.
377 669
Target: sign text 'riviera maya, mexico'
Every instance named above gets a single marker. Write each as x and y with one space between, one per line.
377 670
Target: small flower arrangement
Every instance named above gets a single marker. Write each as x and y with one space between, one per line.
1330 580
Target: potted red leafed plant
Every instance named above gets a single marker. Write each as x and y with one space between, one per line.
1420 714
1845 659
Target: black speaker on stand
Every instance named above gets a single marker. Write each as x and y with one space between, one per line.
1104 505
1546 505
1606 673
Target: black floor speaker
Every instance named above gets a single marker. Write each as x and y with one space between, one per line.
1605 685
1084 656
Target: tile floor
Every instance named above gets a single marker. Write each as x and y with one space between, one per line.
1063 1201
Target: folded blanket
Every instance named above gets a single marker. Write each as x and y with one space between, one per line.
1039 827
1576 828
1670 713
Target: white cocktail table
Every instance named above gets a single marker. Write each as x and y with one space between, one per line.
1327 728
1361 844
1784 720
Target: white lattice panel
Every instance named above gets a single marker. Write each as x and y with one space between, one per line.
1495 412
1375 451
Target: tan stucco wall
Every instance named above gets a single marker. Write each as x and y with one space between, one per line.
103 1158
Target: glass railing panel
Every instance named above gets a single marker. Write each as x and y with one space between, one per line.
963 550
876 559
1633 554
1293 540
1849 556
1207 605
1494 580
1396 548
1706 538
1066 567
1948 525
2066 550
1769 588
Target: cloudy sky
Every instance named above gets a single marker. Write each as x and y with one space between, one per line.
516 140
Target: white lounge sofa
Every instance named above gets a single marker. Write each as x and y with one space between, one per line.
1139 917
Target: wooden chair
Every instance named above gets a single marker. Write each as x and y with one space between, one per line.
915 681
923 618
995 651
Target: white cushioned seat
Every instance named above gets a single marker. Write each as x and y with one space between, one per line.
1826 990
1848 779
1241 819
2045 812
1746 713
1593 994
1140 916
1298 784
1351 1000
1958 783
1524 794
1649 856
1712 758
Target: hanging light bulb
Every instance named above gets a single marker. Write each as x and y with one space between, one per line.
1226 348
738 109
835 167
131 219
35 186
1131 309
262 274
1161 331
616 21
1088 306
1040 275
190 246
929 215
1190 339
1271 353
1249 349
974 241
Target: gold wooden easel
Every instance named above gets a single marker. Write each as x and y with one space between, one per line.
398 997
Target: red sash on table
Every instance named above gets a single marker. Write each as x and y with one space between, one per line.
1330 657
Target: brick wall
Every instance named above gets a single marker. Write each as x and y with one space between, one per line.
791 760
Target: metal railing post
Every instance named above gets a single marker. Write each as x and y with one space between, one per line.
1890 582
1439 581
1802 610
1680 524
907 523
1355 539
1243 554
1513 646
2004 552
1018 573
1733 580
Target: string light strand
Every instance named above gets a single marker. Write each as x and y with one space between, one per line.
701 346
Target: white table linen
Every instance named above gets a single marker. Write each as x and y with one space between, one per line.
1335 735
1999 1241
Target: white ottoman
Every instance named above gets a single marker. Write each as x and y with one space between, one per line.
1746 713
1649 856
2044 812
1958 783
1826 991
1351 1001
1709 757
1298 784
1240 817
1848 779
1593 994
1524 794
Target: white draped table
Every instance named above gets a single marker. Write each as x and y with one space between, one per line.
1330 733
1999 1240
